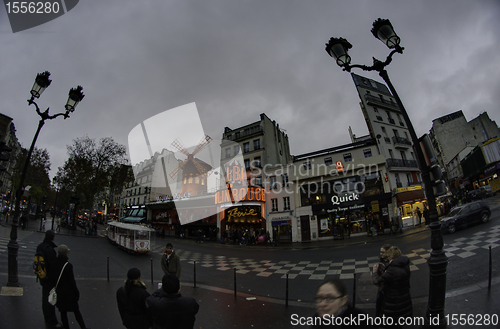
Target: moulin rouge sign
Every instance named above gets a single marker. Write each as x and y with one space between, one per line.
236 191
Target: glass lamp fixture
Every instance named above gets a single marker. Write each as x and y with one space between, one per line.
75 96
337 48
383 30
42 81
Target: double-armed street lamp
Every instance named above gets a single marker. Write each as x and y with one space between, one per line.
42 81
438 262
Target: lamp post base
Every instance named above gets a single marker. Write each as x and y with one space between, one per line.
438 262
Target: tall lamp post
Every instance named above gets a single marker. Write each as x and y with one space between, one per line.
42 81
438 262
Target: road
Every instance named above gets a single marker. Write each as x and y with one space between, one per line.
263 271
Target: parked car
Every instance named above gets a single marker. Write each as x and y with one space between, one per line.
462 216
489 191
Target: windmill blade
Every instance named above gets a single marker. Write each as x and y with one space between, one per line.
200 168
204 142
176 170
178 145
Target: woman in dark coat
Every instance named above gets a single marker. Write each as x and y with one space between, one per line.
67 291
396 286
131 299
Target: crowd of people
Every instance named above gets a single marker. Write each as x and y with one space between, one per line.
167 308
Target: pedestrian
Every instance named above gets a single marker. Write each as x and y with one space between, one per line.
332 307
169 309
426 215
58 222
396 280
67 291
170 261
419 214
382 265
131 299
50 256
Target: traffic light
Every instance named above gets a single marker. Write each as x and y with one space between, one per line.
4 157
438 185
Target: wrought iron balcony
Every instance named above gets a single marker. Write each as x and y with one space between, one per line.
401 142
392 163
378 101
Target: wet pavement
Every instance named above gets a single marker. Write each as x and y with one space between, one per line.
20 307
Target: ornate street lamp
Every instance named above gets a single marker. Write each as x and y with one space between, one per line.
438 262
42 81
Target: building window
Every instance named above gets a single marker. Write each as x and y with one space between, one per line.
409 177
347 157
256 144
274 204
237 135
284 179
391 155
247 164
307 165
246 147
236 149
367 153
258 180
257 163
328 161
228 152
286 203
272 181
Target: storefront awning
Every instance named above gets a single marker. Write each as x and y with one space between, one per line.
410 197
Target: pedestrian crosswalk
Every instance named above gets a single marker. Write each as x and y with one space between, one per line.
24 254
345 269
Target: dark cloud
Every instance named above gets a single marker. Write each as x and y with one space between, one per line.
237 59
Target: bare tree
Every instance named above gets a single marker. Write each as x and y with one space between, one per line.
90 167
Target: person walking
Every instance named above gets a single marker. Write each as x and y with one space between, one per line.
47 249
396 280
170 261
131 299
382 265
67 291
332 302
169 309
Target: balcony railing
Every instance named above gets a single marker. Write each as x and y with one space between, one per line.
391 163
401 142
379 101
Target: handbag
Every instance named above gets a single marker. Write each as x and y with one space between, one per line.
53 293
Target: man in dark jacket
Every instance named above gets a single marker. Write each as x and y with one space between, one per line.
49 254
169 309
131 300
170 261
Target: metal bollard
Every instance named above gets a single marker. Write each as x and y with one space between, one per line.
286 294
354 292
235 283
194 274
489 274
108 269
151 271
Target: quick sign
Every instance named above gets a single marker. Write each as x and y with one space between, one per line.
337 200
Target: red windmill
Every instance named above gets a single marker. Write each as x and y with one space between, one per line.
194 171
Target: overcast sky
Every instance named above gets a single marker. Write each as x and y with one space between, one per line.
236 59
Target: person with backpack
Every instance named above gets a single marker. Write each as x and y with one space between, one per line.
45 258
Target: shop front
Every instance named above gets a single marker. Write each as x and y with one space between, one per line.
411 204
348 206
281 226
249 213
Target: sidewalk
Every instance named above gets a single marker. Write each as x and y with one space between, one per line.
218 307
